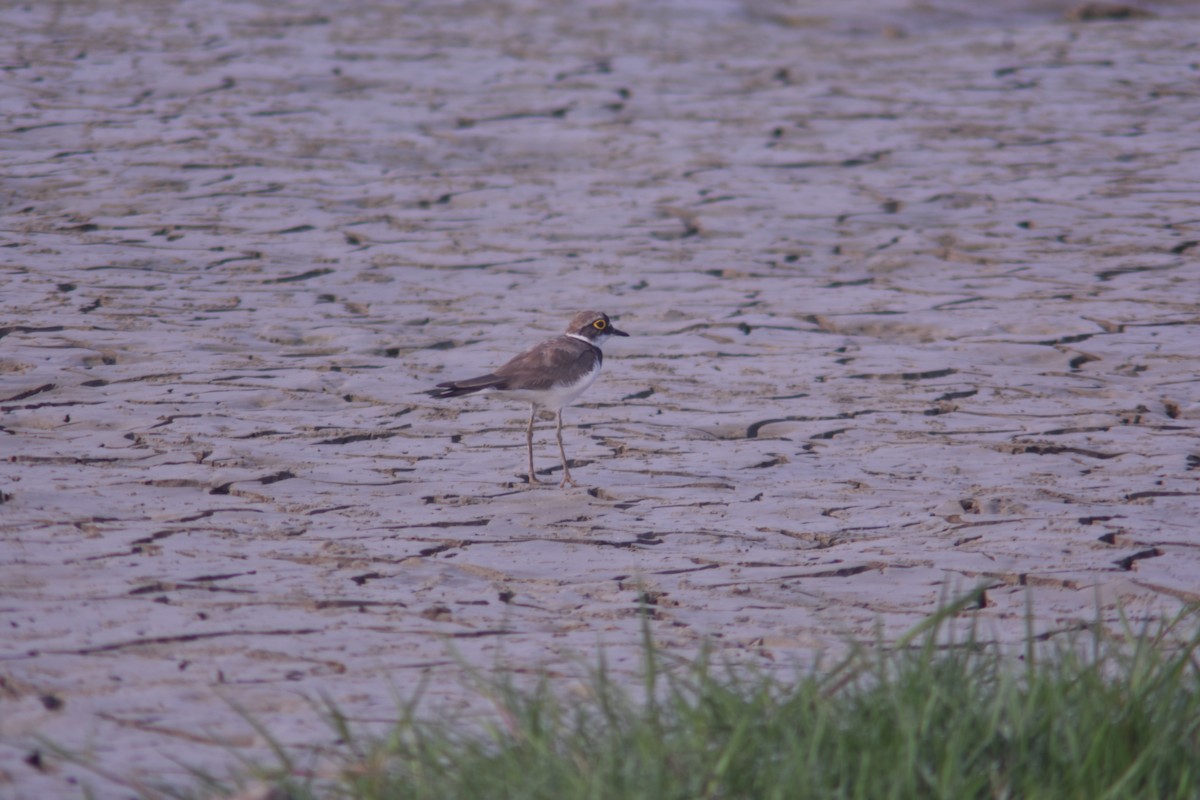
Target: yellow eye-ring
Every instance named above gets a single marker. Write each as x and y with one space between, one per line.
599 324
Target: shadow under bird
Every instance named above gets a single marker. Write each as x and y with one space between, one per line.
550 375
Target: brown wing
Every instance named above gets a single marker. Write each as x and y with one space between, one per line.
552 363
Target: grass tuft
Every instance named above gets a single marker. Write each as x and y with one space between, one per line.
1095 717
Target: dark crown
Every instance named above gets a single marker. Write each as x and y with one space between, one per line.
588 323
592 325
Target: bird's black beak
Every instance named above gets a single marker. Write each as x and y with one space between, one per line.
614 332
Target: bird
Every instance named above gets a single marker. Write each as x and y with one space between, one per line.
550 375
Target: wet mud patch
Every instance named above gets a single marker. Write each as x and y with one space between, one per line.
857 381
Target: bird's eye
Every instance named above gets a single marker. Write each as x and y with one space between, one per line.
599 324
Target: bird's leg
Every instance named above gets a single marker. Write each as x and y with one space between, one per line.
529 441
566 472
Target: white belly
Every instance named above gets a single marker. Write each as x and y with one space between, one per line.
557 397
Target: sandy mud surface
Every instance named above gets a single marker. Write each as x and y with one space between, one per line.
913 304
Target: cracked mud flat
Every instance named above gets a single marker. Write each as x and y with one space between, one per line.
913 301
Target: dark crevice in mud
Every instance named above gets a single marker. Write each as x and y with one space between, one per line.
396 482
324 604
1151 494
744 328
840 572
213 511
141 266
224 576
855 161
243 377
479 634
1109 274
824 321
445 523
684 356
1079 360
1054 449
259 434
154 376
45 387
1129 563
753 429
60 404
1123 538
483 265
304 276
1064 64
158 536
68 459
773 462
954 303
176 483
190 637
231 260
441 548
442 344
983 523
1065 431
1031 579
639 540
550 113
439 499
316 511
132 551
697 504
841 284
684 570
1072 339
906 376
359 437
177 586
29 329
168 420
222 164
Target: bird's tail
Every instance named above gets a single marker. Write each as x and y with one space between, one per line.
469 386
